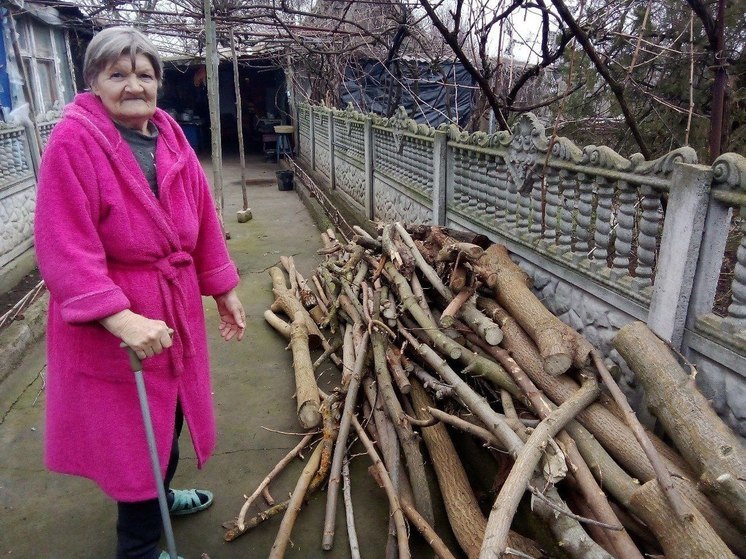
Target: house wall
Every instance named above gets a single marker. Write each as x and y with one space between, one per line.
587 224
23 134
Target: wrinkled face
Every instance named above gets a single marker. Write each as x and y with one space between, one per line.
128 94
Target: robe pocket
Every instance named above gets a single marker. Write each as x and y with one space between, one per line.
93 351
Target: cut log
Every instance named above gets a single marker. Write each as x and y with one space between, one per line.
286 302
453 250
282 327
467 522
409 442
710 447
609 430
559 345
295 504
383 476
398 374
306 389
466 519
481 324
495 538
339 450
681 539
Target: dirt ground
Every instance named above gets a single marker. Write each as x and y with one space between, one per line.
46 515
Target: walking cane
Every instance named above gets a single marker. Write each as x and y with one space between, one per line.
162 503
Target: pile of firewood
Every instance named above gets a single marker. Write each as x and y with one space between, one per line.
437 334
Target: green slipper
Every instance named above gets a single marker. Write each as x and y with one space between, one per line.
189 501
165 555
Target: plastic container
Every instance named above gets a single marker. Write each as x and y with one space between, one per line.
285 179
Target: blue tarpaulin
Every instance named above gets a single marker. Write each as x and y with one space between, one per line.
431 93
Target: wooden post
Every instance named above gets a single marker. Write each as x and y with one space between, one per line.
244 214
213 97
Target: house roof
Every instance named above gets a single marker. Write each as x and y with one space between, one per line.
52 12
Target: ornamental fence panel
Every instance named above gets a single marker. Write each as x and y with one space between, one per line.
606 239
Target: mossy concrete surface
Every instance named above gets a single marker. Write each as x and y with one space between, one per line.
46 515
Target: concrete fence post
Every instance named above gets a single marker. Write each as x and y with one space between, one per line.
369 158
332 172
440 177
683 228
296 134
312 137
717 225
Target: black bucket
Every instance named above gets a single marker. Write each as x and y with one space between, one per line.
285 180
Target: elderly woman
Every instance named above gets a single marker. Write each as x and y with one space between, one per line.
128 240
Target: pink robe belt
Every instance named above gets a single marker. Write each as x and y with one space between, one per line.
175 302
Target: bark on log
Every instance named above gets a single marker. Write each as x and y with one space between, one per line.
287 303
681 539
383 475
569 534
507 501
466 519
282 327
306 389
608 429
463 512
295 504
665 481
339 450
447 317
427 532
713 451
560 346
393 358
453 250
409 442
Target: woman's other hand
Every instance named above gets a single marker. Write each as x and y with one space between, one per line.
232 316
147 337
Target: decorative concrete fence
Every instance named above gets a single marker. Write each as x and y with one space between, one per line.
19 159
606 239
17 194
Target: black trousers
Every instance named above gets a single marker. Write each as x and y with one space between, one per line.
139 524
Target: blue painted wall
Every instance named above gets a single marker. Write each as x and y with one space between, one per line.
4 81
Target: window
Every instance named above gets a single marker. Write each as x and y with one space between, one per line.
43 63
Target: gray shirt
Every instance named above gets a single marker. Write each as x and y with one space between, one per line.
143 147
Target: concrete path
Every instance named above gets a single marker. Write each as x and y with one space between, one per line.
45 515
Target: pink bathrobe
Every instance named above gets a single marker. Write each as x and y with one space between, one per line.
105 243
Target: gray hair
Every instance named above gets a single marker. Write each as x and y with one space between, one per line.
111 44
